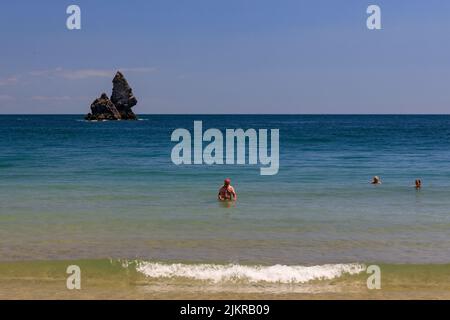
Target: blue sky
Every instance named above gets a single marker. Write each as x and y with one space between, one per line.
233 56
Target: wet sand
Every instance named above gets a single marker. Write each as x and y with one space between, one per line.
55 289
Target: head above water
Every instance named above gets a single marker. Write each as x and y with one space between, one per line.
376 180
227 182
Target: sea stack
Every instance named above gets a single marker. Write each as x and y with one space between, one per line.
103 109
120 104
122 97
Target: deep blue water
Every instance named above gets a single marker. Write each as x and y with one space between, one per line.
73 189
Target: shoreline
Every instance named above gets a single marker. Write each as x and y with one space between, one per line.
110 280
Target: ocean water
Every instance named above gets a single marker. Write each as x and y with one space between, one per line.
71 189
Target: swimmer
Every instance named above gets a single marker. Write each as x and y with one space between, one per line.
376 180
227 192
418 184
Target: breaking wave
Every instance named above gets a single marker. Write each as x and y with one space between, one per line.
235 272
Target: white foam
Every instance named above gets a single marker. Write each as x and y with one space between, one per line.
235 272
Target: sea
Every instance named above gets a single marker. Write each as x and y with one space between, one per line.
107 196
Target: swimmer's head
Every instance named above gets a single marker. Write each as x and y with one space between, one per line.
376 179
227 181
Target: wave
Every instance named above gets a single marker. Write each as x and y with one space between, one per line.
235 272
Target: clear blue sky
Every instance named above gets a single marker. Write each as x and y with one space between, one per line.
228 56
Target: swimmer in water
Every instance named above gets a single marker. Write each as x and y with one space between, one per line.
376 180
418 184
227 192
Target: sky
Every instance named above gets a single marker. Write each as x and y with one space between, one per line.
227 56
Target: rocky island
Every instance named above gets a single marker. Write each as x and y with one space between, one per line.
118 107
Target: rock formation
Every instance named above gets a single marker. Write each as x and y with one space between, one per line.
122 97
120 104
103 109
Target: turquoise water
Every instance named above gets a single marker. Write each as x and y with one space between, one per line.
71 189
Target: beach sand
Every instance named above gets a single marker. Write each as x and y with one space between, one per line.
36 289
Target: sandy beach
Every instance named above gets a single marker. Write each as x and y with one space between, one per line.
36 280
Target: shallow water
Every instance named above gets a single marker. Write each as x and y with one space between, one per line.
71 189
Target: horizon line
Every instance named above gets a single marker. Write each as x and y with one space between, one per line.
240 114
